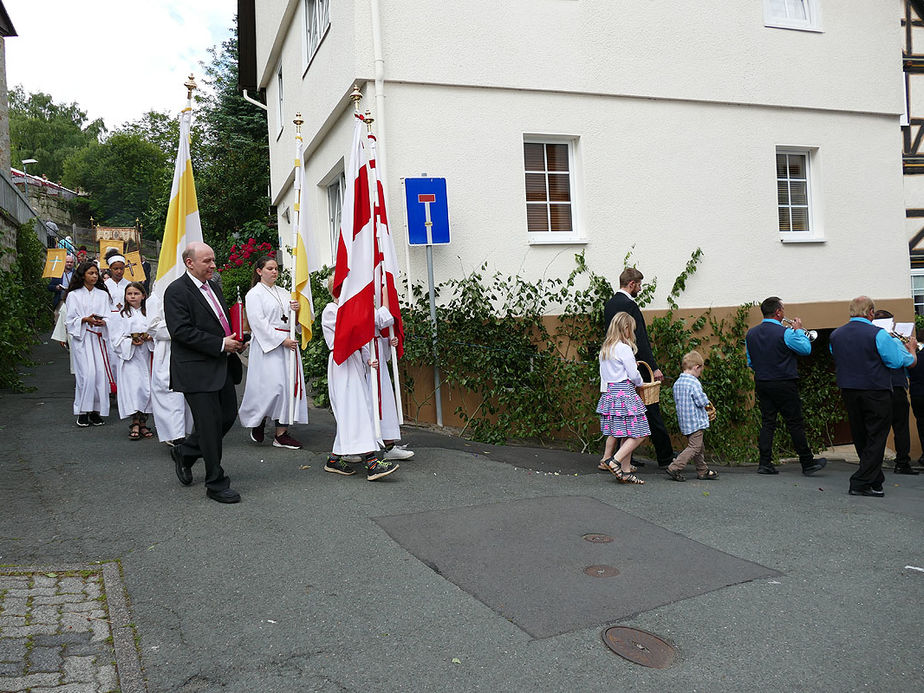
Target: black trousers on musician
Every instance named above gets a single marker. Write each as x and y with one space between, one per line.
780 397
917 406
213 416
901 426
870 415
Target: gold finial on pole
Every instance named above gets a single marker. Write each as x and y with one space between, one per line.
368 120
356 96
298 122
190 85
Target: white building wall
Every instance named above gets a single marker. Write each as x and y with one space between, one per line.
684 106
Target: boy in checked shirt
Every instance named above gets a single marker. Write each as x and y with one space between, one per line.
694 412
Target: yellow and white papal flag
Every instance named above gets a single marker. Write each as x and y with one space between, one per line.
305 258
182 227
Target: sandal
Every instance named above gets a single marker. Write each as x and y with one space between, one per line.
711 474
134 431
627 477
605 467
676 476
146 432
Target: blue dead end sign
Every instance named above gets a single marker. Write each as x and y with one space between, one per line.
427 211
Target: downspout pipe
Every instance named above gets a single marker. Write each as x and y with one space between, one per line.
249 99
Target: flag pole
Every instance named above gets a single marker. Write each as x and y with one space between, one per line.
293 370
379 271
356 95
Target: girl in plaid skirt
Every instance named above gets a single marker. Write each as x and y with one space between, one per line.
622 413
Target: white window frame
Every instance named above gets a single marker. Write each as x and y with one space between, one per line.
815 234
576 235
280 101
335 186
914 296
315 25
811 23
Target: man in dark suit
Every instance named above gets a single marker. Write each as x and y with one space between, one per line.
204 366
630 283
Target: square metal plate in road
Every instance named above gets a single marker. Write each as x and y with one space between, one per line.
528 560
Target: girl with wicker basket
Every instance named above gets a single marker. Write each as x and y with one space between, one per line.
621 410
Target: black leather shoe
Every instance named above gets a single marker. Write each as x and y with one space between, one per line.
871 493
906 469
814 466
226 495
767 469
183 473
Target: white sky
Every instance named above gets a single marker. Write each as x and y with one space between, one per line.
116 58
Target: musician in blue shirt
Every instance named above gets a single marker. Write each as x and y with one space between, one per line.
771 351
863 355
901 425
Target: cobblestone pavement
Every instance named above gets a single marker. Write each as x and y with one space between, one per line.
55 632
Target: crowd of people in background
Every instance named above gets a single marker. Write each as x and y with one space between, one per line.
174 356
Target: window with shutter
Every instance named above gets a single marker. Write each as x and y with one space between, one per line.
549 188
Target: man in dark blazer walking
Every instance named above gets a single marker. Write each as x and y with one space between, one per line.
204 366
630 283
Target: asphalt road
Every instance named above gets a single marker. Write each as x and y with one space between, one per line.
299 587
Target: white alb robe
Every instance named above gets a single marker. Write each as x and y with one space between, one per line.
350 398
268 392
388 412
116 302
93 370
134 393
171 413
59 334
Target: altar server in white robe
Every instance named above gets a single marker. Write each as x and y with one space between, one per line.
59 333
87 307
116 283
135 347
391 432
171 414
351 401
268 392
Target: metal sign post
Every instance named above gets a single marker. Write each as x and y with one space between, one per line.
427 210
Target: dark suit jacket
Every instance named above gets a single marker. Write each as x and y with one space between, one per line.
197 362
620 303
58 295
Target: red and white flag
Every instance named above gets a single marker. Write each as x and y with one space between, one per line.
354 276
386 259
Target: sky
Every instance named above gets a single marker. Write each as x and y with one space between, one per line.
117 59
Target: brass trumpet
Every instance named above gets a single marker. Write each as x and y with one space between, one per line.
811 334
905 340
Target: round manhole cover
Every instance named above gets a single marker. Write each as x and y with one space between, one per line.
598 538
640 647
601 571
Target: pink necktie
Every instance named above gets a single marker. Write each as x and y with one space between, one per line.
221 313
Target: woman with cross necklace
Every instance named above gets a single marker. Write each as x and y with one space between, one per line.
268 392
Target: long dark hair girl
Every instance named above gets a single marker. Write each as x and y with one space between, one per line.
127 310
258 265
77 281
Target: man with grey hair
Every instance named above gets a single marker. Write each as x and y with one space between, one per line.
204 366
863 354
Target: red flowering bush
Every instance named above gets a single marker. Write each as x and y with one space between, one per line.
237 271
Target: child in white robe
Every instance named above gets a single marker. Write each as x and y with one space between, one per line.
351 402
87 307
135 347
268 392
171 413
116 284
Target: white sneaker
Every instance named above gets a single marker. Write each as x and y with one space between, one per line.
398 452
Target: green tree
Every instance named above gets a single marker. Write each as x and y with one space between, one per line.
122 174
49 132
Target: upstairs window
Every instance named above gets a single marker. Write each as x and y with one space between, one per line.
317 20
792 14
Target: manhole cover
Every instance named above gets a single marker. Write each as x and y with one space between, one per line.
598 538
601 571
640 647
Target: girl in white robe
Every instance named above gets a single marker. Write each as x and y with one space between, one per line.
268 392
116 284
351 402
171 413
87 309
135 347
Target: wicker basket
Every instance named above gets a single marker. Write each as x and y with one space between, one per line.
649 392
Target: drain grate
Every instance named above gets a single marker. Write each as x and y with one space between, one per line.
598 538
640 647
601 571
